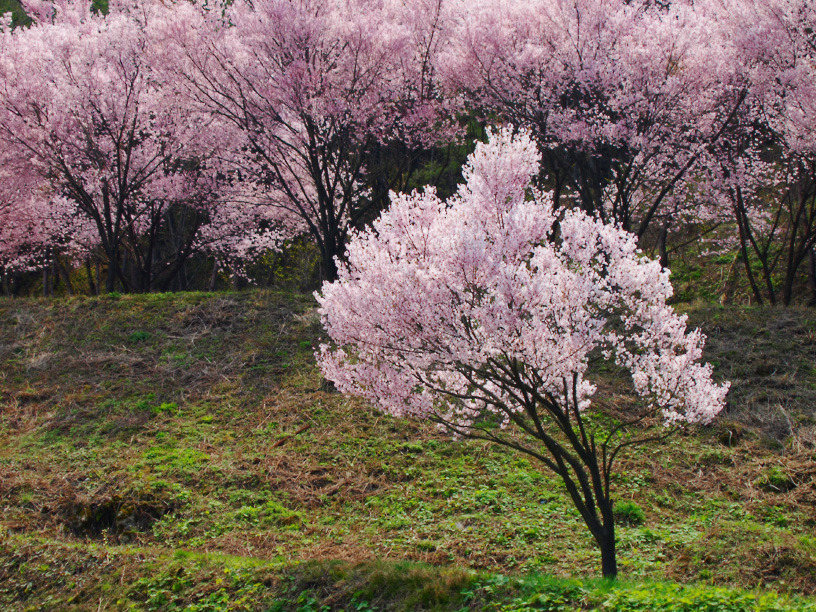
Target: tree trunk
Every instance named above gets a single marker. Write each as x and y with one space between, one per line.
110 282
91 284
742 225
730 282
609 560
182 274
332 246
605 537
328 269
214 276
812 275
329 249
661 245
55 275
787 290
47 280
66 275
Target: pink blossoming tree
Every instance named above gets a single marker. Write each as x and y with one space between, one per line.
38 230
97 140
303 92
490 313
767 165
623 97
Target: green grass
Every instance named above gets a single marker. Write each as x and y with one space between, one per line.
40 574
157 441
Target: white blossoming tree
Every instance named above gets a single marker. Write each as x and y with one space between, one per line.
492 314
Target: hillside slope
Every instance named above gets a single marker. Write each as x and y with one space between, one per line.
136 427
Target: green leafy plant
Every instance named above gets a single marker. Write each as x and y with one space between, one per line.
629 513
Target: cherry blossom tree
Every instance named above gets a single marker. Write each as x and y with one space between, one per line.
623 97
37 230
492 314
84 112
303 92
767 165
254 230
16 230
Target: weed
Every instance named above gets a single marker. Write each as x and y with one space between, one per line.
775 479
629 513
138 336
165 408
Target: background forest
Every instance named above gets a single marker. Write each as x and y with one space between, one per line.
170 147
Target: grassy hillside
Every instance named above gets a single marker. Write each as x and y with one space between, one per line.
165 451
